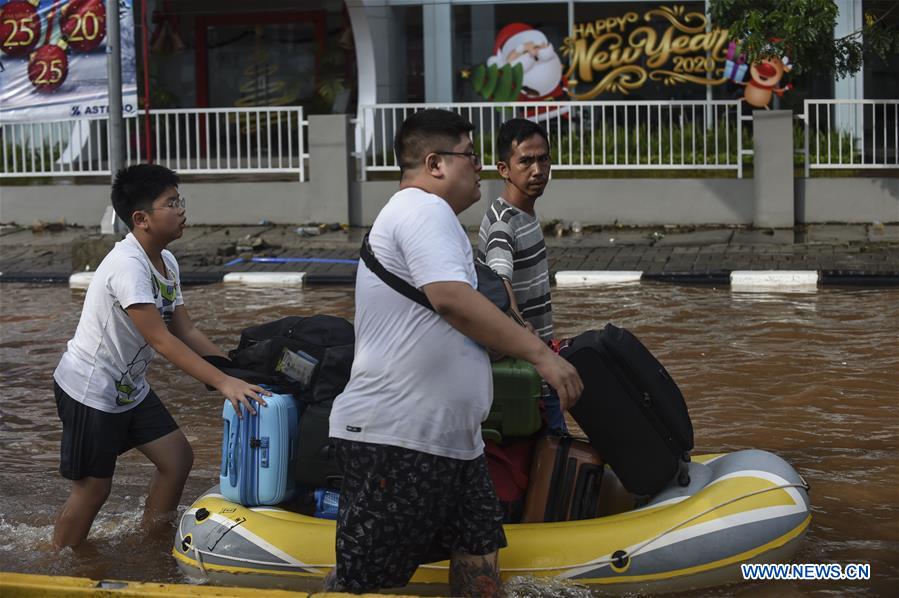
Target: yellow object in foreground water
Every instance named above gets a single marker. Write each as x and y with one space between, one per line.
748 506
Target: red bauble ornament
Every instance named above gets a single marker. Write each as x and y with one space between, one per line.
48 67
83 24
20 27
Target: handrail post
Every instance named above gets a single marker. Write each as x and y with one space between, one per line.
331 166
302 128
774 200
361 144
805 119
739 139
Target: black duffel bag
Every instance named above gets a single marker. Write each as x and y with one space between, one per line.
631 409
310 357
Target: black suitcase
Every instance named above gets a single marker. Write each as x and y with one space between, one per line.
565 481
631 410
316 464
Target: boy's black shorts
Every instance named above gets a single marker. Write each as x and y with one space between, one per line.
92 439
400 508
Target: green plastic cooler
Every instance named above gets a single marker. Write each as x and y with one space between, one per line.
517 389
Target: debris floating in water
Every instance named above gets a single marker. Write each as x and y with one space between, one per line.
538 587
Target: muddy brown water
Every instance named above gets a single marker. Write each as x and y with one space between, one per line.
812 377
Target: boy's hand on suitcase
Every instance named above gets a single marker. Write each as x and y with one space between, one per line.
562 376
239 392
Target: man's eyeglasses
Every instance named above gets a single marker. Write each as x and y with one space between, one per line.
176 203
475 159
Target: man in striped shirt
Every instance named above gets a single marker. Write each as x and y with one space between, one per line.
510 240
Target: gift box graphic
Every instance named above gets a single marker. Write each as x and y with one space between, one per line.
735 71
735 66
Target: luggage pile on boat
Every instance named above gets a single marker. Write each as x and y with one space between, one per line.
626 508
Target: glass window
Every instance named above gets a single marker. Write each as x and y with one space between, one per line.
414 53
882 76
262 65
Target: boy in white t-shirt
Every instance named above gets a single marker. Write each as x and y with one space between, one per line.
132 310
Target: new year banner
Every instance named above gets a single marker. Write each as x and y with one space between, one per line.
620 54
53 59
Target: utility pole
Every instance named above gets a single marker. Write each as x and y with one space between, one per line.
116 130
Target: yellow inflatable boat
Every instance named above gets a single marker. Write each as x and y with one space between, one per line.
742 507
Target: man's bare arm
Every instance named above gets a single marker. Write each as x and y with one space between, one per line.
473 315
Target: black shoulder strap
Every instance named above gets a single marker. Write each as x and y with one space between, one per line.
390 279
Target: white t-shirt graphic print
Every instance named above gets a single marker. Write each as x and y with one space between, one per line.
105 363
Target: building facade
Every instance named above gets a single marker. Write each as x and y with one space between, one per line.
332 56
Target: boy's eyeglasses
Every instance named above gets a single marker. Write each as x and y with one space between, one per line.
475 159
177 203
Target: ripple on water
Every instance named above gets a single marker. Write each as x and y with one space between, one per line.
812 377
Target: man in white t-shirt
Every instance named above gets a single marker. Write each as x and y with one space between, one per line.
132 310
407 427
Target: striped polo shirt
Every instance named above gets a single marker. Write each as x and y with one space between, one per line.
510 242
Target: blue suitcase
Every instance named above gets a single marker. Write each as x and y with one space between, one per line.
258 452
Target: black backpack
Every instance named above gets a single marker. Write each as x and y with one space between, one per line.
310 357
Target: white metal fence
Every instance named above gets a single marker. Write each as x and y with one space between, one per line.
640 135
857 134
190 141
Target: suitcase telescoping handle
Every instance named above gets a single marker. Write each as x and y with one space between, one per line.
585 502
226 429
555 503
230 448
248 484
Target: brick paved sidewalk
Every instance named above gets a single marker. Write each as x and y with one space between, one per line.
855 252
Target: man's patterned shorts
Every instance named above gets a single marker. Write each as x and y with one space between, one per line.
400 508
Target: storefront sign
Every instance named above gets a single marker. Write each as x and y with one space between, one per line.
621 54
53 59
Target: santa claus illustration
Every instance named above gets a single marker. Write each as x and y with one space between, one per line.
519 43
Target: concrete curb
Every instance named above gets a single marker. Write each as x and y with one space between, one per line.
740 280
80 280
265 279
589 278
767 280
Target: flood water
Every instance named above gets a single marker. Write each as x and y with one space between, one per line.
812 377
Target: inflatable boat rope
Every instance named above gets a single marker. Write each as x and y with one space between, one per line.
618 557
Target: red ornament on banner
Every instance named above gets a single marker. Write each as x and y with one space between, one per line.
48 67
20 27
83 24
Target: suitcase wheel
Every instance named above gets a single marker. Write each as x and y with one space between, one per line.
683 478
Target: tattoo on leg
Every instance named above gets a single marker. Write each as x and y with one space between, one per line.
474 575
